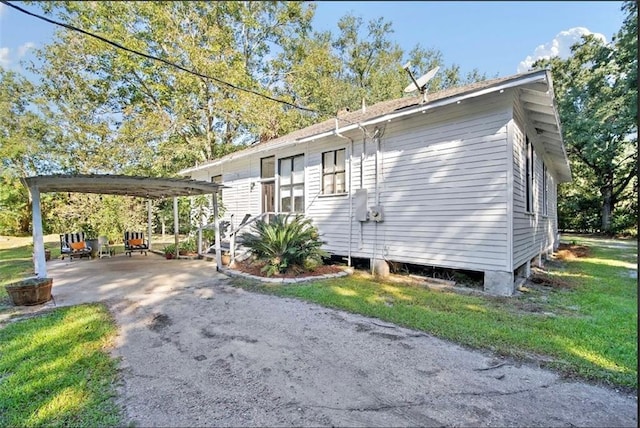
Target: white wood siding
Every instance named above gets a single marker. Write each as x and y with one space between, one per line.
443 188
533 233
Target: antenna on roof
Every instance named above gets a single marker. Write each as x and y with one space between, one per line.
421 83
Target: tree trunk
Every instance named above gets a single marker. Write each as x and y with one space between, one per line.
607 208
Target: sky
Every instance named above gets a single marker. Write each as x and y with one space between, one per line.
498 38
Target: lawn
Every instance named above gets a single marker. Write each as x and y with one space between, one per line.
586 329
55 370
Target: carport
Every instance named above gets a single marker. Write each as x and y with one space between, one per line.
150 188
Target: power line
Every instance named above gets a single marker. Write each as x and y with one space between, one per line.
155 58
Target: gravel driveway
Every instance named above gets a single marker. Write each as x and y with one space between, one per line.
196 351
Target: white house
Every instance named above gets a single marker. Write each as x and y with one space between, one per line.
465 179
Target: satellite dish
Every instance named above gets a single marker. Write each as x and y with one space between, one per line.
421 83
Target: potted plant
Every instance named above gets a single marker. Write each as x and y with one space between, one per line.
169 251
91 237
188 247
30 291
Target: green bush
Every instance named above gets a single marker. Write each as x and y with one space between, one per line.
284 242
189 245
169 249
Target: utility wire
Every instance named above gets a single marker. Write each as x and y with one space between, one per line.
155 58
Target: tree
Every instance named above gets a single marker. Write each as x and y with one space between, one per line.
360 64
596 89
24 149
145 116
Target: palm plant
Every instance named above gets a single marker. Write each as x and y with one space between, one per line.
284 242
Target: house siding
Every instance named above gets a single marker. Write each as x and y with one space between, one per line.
533 232
443 188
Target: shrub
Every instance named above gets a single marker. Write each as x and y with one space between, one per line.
189 245
169 249
284 242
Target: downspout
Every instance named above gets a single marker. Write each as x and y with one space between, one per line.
350 192
377 201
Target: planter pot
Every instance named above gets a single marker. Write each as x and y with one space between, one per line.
226 259
93 243
169 256
32 291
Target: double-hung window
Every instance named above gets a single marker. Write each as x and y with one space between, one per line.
333 172
291 171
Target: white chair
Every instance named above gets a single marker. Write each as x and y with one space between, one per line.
103 247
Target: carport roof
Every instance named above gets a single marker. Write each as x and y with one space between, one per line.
124 185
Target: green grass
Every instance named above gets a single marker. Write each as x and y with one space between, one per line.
588 332
55 371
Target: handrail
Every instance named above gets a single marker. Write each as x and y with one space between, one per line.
234 232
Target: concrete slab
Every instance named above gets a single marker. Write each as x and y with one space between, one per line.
195 351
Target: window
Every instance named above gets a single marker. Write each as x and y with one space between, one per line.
529 176
333 173
217 179
545 190
291 184
268 167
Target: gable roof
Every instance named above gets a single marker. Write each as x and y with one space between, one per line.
541 102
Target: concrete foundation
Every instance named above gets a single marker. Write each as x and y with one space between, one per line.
499 283
524 271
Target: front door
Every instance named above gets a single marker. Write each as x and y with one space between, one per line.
268 197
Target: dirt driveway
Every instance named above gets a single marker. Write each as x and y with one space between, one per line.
197 352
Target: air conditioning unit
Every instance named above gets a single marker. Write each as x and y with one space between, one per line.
376 213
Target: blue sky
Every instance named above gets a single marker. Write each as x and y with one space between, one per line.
495 37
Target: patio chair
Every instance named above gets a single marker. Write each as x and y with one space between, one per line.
74 245
134 241
103 247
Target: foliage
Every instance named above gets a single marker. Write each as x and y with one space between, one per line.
360 64
284 242
25 149
597 92
56 371
588 330
169 249
189 245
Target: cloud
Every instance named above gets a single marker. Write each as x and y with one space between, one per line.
22 50
560 46
4 57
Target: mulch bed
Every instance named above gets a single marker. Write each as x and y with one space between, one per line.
545 280
571 251
254 268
